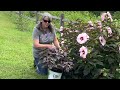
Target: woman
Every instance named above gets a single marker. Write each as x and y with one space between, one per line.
44 37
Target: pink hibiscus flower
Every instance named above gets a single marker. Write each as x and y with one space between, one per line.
103 16
83 52
90 23
109 16
109 31
82 38
102 40
99 24
61 28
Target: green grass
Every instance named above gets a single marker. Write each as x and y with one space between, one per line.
16 61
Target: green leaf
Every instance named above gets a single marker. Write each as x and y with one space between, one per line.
100 63
110 60
110 76
86 71
118 58
92 63
96 73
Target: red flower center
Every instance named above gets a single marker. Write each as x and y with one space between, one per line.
101 40
83 51
81 38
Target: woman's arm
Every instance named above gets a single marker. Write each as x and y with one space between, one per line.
56 43
37 45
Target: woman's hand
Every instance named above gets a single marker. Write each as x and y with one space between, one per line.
60 48
51 47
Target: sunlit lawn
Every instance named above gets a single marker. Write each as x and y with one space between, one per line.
16 61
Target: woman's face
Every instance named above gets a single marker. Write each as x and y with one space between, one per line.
46 22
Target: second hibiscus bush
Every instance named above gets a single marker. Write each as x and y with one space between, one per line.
94 46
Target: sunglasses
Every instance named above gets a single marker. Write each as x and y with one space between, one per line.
47 21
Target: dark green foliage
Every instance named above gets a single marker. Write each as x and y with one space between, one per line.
101 61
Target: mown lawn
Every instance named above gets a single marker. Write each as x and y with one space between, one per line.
16 61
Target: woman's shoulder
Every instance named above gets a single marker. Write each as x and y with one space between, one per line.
35 29
37 26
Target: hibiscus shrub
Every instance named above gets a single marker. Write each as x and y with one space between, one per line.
94 47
